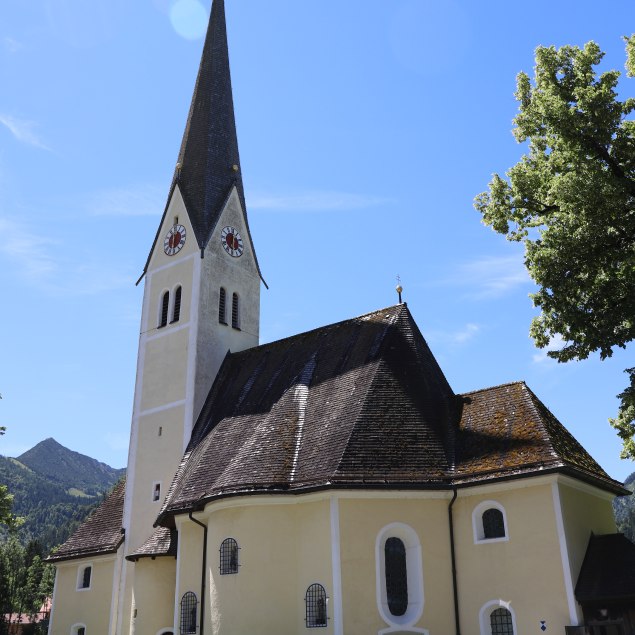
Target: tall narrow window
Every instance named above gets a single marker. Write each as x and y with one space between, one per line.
396 576
235 312
189 604
501 622
493 523
222 306
84 577
315 600
228 556
156 492
165 304
176 311
81 631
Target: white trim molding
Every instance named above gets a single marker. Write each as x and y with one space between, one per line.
564 555
477 522
336 563
488 608
81 571
414 572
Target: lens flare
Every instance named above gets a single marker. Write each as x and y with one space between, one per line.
189 19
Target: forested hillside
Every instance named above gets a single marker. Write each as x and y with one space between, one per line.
54 489
624 508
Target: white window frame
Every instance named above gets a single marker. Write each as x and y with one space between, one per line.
477 522
156 500
75 628
80 580
488 608
168 629
400 623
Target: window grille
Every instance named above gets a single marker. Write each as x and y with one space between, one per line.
501 622
222 309
315 600
228 556
165 303
235 312
189 604
176 312
493 523
396 576
86 577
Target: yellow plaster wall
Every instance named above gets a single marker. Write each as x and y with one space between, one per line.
87 606
584 512
283 549
154 595
361 521
526 570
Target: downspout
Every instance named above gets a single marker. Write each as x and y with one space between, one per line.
453 554
203 572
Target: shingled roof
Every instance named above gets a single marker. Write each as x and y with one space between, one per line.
608 570
363 403
209 160
100 534
507 431
163 542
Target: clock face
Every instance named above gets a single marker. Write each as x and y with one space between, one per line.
232 242
174 240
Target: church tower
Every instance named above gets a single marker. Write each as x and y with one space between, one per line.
201 299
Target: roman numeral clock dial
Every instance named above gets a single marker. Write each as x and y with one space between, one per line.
232 242
174 240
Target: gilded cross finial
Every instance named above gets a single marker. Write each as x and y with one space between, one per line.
399 288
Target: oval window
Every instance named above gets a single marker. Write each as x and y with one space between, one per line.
396 576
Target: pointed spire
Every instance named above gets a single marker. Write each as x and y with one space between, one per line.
209 163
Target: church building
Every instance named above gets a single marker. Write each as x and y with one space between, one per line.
331 480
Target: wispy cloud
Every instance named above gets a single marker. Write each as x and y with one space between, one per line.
27 250
11 45
491 276
23 130
138 200
315 201
541 356
454 338
34 259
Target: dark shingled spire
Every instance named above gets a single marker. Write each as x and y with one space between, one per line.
209 162
209 150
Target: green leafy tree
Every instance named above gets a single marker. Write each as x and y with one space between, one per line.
571 200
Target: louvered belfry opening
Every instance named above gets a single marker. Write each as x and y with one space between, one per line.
396 576
228 556
493 523
235 311
189 604
222 306
176 312
165 304
315 600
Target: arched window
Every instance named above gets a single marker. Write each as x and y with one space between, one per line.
497 618
501 622
176 311
315 600
165 304
396 576
399 576
189 604
78 629
489 522
222 306
84 576
493 523
228 556
235 312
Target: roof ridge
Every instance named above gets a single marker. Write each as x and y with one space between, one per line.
509 383
319 328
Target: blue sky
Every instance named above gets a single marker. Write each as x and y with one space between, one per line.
366 128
